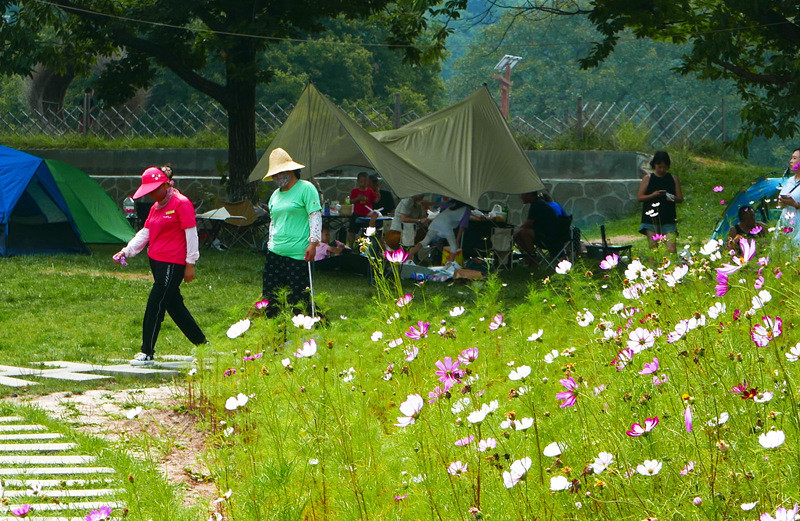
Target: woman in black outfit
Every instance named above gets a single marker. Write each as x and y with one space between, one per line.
659 192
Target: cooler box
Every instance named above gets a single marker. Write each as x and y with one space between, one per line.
459 256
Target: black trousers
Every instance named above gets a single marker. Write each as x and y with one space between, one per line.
165 297
285 272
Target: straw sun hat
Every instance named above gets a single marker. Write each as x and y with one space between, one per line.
281 161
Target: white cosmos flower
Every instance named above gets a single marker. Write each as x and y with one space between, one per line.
376 336
749 506
563 267
488 443
550 357
238 328
410 410
585 318
721 420
460 405
307 350
763 397
517 471
710 247
554 449
348 375
716 310
396 342
234 402
762 298
772 439
228 432
616 308
457 311
601 462
133 413
286 362
794 353
558 483
304 321
536 336
523 424
519 373
370 231
650 467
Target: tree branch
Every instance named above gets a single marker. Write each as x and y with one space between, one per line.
163 55
761 79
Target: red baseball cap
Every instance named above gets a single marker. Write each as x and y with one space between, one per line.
152 178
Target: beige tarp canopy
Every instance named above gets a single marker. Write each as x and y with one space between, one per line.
462 151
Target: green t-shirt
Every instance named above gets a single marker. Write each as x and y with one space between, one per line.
289 210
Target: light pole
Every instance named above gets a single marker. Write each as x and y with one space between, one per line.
505 65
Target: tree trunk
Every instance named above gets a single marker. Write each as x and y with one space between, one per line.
241 140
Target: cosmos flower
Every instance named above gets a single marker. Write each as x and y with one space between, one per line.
718 188
304 321
782 514
558 483
717 310
497 323
535 337
448 370
585 318
687 418
457 468
398 256
640 339
234 402
516 472
609 262
519 373
411 353
637 430
771 440
261 304
601 462
554 449
457 311
103 512
763 334
405 300
417 333
650 467
238 329
650 367
411 408
748 247
563 267
488 443
569 396
464 441
307 350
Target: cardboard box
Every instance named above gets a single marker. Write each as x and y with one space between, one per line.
346 210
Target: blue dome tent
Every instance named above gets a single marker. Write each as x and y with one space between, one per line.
34 217
756 195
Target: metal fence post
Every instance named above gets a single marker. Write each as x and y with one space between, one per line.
397 109
580 118
724 128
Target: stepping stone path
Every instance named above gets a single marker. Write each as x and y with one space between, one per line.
47 475
79 372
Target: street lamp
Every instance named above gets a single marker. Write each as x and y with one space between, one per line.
505 65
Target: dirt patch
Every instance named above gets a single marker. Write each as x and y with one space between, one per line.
115 274
168 436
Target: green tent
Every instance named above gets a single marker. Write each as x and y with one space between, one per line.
462 151
98 218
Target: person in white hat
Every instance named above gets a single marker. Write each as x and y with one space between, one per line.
170 230
294 232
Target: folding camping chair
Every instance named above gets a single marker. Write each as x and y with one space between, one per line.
243 226
502 247
565 244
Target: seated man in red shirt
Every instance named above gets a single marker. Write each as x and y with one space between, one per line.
362 197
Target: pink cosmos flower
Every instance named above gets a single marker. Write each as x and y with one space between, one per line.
400 498
722 202
689 467
722 285
658 236
415 334
658 380
448 370
488 443
787 229
569 396
468 355
21 511
497 323
622 359
438 392
736 314
609 262
103 512
404 300
756 230
718 188
465 441
763 261
759 283
261 304
650 367
782 514
748 247
637 430
457 468
772 328
398 256
687 418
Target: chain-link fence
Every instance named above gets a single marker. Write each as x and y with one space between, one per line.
662 124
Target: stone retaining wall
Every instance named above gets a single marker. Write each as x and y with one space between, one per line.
594 186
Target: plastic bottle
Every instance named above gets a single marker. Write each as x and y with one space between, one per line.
327 209
347 200
128 207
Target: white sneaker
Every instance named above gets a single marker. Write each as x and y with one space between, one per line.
142 359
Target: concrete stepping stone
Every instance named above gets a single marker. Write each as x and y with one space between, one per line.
79 493
11 376
21 428
48 483
10 419
46 518
36 447
46 460
31 436
54 471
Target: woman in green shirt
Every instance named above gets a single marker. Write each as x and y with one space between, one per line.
294 232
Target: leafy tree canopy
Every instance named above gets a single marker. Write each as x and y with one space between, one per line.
189 37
